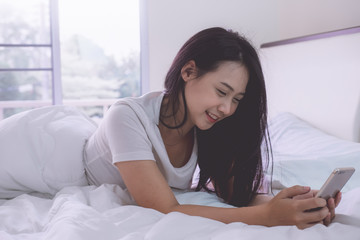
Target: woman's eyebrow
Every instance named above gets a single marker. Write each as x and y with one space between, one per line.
231 88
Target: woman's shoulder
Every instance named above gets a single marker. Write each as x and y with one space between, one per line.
146 100
144 108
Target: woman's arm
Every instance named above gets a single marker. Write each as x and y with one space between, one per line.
150 189
260 199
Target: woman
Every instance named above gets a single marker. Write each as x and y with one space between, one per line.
212 113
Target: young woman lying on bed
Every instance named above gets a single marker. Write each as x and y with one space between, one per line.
213 112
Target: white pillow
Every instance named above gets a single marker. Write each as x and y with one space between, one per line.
41 150
305 155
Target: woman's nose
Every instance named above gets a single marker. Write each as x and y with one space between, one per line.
225 107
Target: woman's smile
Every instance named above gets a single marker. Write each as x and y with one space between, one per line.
211 117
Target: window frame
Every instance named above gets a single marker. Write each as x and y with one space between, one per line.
55 64
144 48
57 98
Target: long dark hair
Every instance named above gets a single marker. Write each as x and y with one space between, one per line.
230 151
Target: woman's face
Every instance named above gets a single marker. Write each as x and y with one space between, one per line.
215 95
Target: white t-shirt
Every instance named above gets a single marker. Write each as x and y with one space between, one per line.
128 132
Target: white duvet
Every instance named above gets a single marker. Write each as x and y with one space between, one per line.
97 213
41 151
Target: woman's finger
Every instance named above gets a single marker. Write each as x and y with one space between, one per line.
327 220
338 198
331 206
314 192
293 191
317 216
304 196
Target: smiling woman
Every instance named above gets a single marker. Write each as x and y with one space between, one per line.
212 113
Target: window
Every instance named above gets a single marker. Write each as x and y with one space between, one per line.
25 54
87 55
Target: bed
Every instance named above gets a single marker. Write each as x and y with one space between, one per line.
311 135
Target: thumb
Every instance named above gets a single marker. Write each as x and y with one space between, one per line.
293 191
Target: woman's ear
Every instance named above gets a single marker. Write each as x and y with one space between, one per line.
188 71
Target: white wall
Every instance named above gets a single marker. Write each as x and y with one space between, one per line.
325 89
299 18
170 23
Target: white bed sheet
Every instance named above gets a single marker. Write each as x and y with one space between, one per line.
97 213
304 155
89 212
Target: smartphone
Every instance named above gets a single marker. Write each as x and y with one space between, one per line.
336 181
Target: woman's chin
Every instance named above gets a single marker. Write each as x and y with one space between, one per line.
205 126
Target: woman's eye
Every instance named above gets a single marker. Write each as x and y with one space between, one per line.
221 92
236 100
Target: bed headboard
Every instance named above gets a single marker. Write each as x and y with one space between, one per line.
317 78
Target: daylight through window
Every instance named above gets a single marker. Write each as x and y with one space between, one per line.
99 49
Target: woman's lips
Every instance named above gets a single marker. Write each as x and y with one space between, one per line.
211 117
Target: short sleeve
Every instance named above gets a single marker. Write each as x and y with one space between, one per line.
126 135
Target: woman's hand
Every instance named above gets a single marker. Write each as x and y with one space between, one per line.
285 209
332 203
